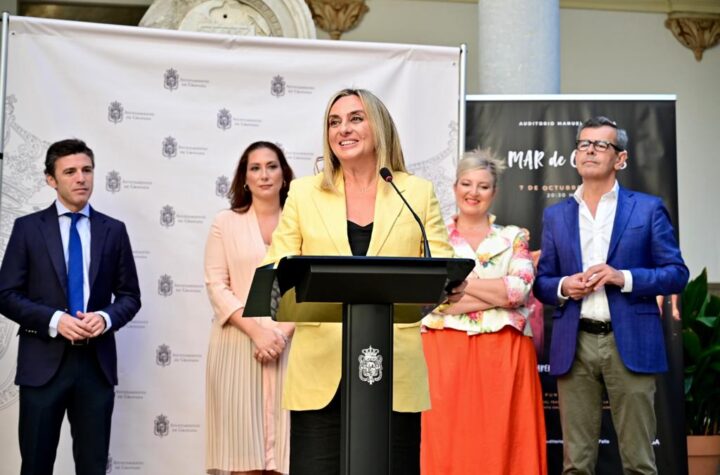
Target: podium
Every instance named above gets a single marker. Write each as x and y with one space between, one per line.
375 292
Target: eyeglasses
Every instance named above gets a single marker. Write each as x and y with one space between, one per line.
600 145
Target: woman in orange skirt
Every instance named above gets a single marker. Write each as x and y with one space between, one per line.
487 410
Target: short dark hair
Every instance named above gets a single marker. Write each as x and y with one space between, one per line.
240 197
601 121
63 148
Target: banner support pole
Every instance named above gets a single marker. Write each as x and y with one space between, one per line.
3 89
463 93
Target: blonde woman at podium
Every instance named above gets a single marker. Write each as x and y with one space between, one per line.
247 429
487 410
347 210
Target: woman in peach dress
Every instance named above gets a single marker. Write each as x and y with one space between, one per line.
247 430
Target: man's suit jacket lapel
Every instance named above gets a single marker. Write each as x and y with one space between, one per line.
572 221
98 234
388 207
625 205
50 230
333 215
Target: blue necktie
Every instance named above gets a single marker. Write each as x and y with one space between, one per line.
76 300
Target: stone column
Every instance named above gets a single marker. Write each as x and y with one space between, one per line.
519 46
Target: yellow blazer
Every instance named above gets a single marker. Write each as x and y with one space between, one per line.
314 222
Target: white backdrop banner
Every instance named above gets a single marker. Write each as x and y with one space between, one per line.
168 114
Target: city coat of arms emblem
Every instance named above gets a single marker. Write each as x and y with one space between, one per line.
116 112
171 80
163 355
165 285
167 216
277 86
161 426
224 119
222 186
169 147
113 181
371 368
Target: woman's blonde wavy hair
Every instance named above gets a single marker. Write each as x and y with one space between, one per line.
387 142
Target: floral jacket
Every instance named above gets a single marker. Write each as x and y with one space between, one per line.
503 253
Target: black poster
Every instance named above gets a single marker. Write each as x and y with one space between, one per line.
536 138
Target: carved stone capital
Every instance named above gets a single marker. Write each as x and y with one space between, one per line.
697 31
337 16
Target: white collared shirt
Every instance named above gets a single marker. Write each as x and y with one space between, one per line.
595 234
83 227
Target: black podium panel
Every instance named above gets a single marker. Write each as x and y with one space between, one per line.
366 389
369 289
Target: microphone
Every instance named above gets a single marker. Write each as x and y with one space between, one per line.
387 176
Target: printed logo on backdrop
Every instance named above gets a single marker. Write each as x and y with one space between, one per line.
277 86
171 80
162 426
222 186
298 155
165 285
293 155
370 365
224 119
121 465
129 395
167 216
116 112
163 356
169 147
113 181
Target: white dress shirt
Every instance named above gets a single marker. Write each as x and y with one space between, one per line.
595 233
83 227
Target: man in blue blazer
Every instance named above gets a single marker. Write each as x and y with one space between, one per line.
68 279
606 253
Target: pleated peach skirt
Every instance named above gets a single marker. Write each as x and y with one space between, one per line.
487 411
246 427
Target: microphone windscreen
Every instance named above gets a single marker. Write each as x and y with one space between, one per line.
385 174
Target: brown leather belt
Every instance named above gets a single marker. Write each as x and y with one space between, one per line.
595 327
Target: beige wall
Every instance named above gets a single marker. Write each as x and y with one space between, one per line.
604 52
442 23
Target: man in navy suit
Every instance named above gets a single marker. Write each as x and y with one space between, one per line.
606 253
68 279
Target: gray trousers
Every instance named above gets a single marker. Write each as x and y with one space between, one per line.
598 365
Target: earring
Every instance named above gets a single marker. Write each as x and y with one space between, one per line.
245 187
284 184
